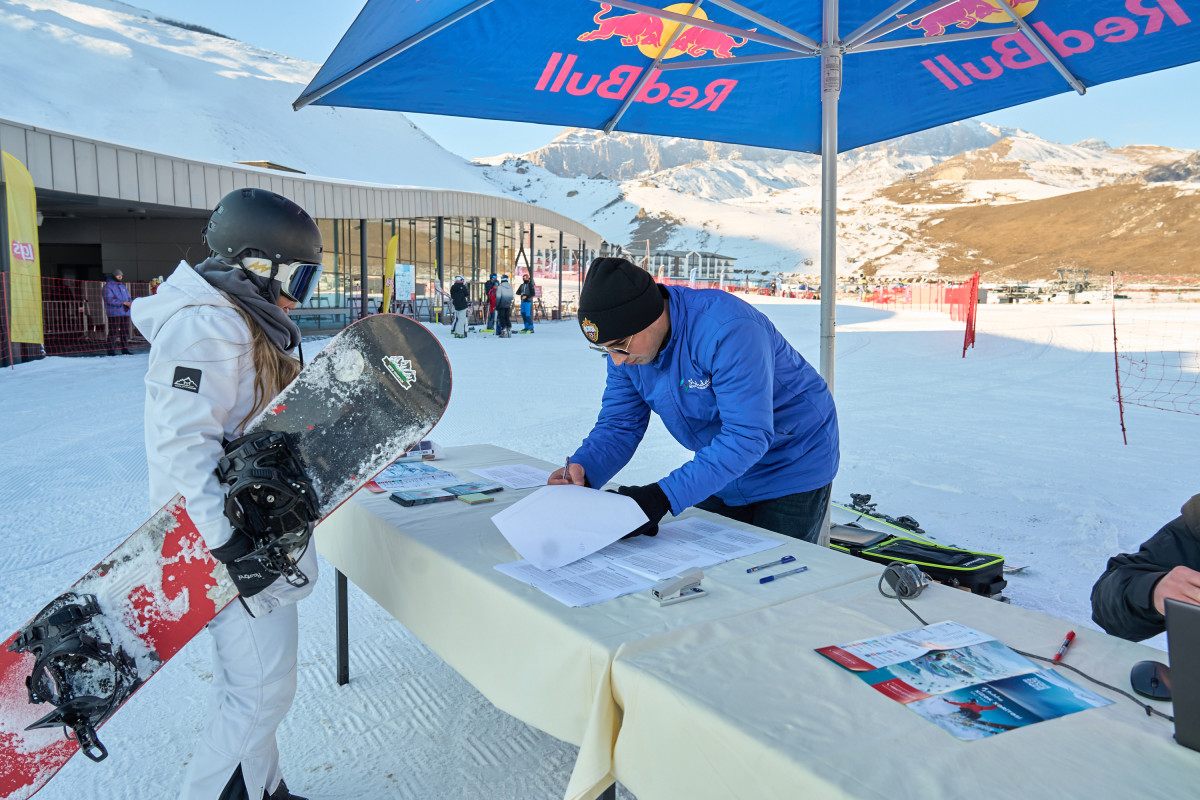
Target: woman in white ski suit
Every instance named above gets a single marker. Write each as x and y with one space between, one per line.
200 392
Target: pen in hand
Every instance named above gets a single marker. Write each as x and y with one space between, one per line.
567 472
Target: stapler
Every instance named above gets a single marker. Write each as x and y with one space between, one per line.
684 586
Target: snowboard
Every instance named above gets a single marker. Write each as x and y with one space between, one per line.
372 393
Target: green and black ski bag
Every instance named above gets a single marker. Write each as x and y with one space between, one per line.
980 573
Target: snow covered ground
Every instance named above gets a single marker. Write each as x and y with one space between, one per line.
1015 449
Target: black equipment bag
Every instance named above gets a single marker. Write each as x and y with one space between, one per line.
980 573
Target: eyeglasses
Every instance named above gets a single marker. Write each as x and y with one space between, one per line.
615 351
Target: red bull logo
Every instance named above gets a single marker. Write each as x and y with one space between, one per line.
967 13
22 251
649 34
1015 51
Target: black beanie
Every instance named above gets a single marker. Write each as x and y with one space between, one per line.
618 300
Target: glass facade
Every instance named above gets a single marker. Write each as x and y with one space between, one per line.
466 251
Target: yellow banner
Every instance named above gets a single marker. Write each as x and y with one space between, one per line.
389 273
25 273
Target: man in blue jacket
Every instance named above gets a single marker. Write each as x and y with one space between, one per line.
727 386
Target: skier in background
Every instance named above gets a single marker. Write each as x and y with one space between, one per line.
489 292
116 308
527 293
220 349
504 299
458 298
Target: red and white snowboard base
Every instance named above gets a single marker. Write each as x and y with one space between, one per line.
162 587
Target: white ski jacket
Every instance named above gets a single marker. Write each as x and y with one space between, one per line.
199 388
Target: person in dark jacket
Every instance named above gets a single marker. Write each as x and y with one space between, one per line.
489 293
526 292
458 298
1128 599
116 307
726 385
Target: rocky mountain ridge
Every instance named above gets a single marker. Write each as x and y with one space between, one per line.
924 205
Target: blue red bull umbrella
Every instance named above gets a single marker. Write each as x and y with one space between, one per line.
819 76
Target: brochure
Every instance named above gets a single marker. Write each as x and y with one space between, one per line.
401 476
962 680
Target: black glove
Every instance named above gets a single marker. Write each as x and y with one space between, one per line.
654 504
250 575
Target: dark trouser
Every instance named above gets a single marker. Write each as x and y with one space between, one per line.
118 331
797 515
503 322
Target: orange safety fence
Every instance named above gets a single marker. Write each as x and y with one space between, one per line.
72 319
959 300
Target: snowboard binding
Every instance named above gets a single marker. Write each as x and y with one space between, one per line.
77 669
271 500
863 505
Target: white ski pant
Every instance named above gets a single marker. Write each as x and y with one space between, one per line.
460 322
254 682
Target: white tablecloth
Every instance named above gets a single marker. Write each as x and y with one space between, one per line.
547 664
743 708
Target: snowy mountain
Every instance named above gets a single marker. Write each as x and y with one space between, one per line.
763 206
113 72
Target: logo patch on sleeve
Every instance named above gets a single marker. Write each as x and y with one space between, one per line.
187 379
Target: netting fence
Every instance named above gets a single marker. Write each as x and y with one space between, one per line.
74 318
1156 342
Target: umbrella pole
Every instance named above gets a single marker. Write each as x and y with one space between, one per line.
831 87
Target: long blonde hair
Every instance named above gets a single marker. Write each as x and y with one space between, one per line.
273 368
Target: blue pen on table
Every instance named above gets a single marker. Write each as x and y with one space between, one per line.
784 560
770 578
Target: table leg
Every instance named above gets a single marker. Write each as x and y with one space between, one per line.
342 631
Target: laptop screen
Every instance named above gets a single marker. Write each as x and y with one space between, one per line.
1183 649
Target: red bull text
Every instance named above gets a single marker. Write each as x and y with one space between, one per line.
1015 51
620 81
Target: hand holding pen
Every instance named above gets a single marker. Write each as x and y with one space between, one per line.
569 475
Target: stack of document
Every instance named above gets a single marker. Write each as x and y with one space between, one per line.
634 565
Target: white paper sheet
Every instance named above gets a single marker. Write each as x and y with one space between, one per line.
581 583
515 476
559 524
690 542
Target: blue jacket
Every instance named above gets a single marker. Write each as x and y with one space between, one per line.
116 294
730 388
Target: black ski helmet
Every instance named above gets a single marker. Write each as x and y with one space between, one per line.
262 221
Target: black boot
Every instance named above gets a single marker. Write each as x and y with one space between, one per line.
281 793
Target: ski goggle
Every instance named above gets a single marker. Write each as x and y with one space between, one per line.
297 281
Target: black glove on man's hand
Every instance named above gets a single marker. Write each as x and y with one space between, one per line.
250 576
654 504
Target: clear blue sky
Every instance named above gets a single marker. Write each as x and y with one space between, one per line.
1162 108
